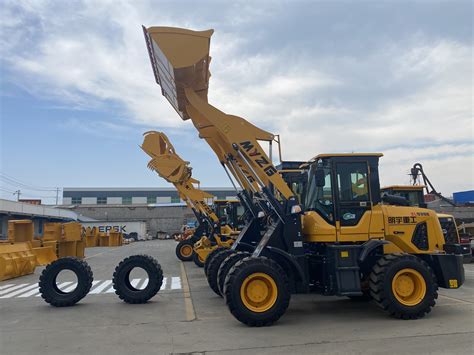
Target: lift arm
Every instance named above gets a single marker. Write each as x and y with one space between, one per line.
180 60
176 171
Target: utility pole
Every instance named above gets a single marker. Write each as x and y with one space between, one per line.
57 195
17 193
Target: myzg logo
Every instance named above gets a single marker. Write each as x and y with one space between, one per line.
258 158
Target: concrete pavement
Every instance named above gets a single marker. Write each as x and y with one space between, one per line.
192 319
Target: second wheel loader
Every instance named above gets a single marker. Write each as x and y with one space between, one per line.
214 230
340 239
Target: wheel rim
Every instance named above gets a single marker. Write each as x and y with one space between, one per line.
409 287
259 292
186 250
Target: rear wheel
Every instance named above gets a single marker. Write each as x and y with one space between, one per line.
184 250
225 267
213 269
404 286
257 291
123 285
211 256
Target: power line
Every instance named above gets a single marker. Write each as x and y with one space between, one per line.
15 182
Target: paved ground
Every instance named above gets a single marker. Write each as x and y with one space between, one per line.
186 317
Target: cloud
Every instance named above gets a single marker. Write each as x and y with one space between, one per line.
408 96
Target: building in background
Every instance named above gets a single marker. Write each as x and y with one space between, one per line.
39 214
464 197
134 196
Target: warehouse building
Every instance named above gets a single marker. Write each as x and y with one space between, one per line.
134 196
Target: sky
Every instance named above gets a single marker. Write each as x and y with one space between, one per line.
77 89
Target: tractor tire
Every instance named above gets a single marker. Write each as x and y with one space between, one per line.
225 267
197 260
257 291
404 286
213 269
52 294
211 256
184 250
121 279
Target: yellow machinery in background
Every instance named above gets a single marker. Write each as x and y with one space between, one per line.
21 253
94 238
67 237
341 240
210 234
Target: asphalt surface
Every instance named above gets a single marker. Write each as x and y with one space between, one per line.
187 317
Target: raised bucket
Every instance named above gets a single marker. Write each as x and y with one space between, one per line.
180 59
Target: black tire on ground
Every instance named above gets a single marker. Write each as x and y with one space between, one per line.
225 267
266 311
52 294
197 260
381 290
121 279
210 256
213 269
182 246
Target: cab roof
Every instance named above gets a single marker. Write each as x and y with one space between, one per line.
330 155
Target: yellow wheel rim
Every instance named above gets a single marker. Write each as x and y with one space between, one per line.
201 259
409 287
186 250
258 292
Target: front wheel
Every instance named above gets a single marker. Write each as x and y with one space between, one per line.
184 250
198 260
403 285
257 291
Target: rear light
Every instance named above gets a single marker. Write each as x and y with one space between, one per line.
464 239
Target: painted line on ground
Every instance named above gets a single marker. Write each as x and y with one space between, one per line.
98 287
188 301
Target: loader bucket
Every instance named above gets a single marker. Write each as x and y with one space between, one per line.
165 160
16 260
180 59
45 255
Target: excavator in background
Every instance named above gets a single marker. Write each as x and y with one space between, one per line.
417 175
340 239
214 229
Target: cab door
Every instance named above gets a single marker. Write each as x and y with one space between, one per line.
353 202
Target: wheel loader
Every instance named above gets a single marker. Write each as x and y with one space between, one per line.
214 230
412 195
340 239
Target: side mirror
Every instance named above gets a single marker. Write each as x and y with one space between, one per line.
320 177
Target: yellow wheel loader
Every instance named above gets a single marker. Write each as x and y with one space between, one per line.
340 239
214 230
412 195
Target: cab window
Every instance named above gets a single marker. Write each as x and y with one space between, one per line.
319 198
352 180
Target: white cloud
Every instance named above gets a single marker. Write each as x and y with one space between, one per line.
409 97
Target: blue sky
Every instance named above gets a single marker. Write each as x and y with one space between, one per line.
77 90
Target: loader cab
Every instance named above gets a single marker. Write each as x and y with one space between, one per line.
295 176
230 212
341 189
